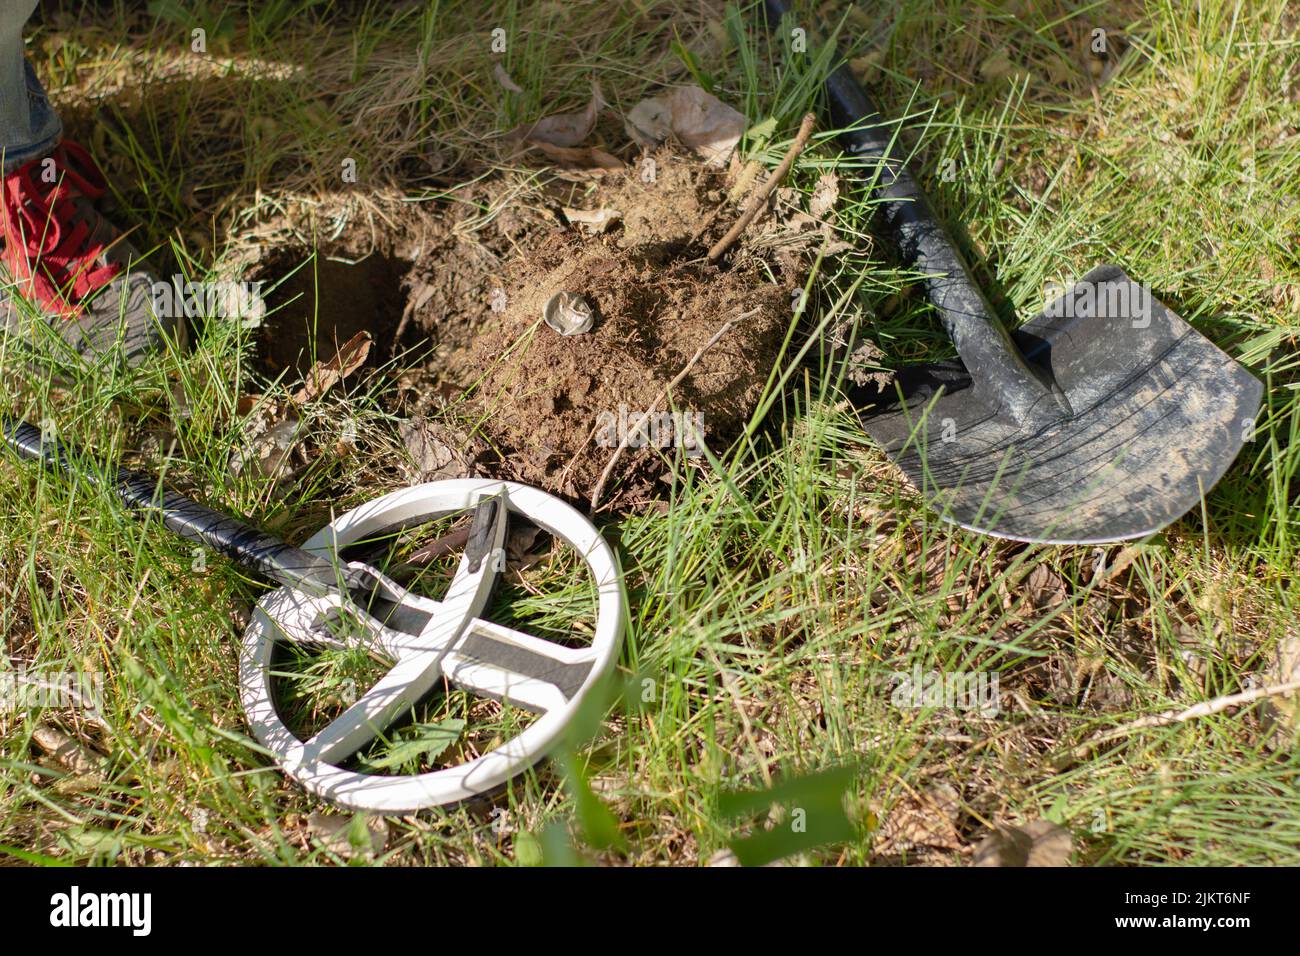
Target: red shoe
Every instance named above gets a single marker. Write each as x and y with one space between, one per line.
71 269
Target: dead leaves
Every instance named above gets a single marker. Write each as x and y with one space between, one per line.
594 221
270 444
1281 715
561 136
1029 594
812 230
930 820
824 198
325 375
434 451
581 157
84 767
359 837
565 130
1089 60
864 361
919 821
68 753
522 548
698 119
1039 843
1044 587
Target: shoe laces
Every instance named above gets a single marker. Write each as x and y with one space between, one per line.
49 229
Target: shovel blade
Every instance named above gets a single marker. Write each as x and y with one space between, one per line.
1157 415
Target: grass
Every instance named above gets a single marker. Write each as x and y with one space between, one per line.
777 599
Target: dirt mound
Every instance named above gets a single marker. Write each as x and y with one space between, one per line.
555 408
459 289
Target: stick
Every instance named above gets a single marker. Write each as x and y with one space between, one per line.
1204 709
760 197
633 429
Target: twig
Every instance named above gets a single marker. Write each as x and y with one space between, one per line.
633 429
1204 709
760 197
401 326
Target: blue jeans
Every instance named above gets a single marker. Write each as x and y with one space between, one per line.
29 127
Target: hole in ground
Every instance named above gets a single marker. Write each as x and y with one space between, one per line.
323 304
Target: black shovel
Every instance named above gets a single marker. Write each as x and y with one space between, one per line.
1106 417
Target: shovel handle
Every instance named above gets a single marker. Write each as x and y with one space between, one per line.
925 245
244 544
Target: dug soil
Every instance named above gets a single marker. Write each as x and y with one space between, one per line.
521 400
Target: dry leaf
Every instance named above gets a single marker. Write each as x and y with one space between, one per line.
70 754
520 540
921 820
245 404
78 783
325 375
1104 573
443 545
565 130
650 122
792 228
1040 843
1044 587
997 66
594 220
825 195
503 78
522 550
1281 715
347 838
435 451
865 366
701 121
867 67
580 157
268 442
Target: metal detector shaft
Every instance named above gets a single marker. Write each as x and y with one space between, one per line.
925 245
278 560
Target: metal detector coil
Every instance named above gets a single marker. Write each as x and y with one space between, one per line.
433 641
